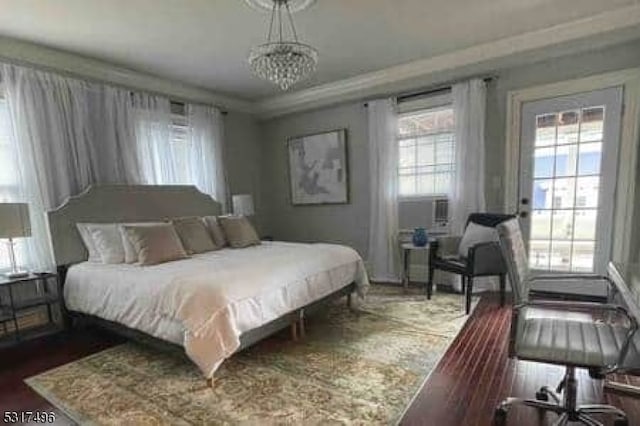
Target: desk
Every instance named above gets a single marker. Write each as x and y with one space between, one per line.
626 278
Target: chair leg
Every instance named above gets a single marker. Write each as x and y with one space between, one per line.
503 289
430 282
468 295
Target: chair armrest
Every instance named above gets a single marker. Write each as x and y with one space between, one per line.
486 258
590 307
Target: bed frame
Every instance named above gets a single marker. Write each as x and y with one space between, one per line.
147 203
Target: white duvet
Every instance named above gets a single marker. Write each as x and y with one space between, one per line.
207 301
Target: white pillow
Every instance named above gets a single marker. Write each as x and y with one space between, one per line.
85 234
108 241
476 234
130 253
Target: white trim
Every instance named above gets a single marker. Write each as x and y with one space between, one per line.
20 52
629 79
366 84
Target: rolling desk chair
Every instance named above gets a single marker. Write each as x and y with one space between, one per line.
539 334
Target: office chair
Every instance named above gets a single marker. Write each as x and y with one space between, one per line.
539 333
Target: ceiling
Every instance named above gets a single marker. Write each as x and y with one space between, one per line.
205 42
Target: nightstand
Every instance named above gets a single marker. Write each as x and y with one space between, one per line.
407 248
16 298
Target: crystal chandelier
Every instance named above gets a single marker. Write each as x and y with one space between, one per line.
283 62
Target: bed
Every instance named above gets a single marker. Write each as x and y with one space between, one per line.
209 305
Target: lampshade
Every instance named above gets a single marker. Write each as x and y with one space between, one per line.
242 205
14 220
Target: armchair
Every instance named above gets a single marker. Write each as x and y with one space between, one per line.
484 259
541 332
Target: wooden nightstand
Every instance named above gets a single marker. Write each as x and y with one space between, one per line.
45 292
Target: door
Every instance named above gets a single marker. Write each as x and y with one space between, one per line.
569 154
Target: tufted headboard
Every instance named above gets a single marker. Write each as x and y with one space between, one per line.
120 203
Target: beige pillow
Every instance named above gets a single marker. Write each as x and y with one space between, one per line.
239 231
216 232
194 235
155 244
130 254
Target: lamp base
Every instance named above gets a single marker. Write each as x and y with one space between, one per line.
16 274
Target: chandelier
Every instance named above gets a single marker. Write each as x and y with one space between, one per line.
280 61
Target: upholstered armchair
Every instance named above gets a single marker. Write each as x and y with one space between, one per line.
542 332
482 259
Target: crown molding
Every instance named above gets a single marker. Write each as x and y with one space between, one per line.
25 53
367 84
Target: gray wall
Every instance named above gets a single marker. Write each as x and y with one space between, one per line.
243 160
348 223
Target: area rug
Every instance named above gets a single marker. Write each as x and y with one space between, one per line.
353 367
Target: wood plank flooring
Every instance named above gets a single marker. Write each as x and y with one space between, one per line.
471 378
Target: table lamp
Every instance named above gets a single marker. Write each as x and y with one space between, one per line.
242 205
14 223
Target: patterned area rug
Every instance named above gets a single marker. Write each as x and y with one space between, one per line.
354 367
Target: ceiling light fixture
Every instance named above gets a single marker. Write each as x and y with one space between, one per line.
283 62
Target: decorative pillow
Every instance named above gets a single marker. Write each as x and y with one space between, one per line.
155 244
239 231
213 225
476 234
85 234
194 235
107 241
130 253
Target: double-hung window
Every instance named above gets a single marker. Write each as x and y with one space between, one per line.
426 143
8 173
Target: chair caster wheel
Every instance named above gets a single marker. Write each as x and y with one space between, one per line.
621 422
500 417
542 396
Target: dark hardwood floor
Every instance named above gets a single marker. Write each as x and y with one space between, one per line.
472 377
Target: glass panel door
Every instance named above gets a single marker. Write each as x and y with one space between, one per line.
568 179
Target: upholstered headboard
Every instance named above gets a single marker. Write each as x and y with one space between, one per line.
120 203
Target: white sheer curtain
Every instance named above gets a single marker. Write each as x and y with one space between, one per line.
179 149
468 194
205 135
66 134
384 256
467 191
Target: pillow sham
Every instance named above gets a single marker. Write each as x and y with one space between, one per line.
476 234
194 235
87 240
155 244
107 241
239 231
213 225
130 253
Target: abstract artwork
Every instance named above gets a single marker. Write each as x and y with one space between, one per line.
318 168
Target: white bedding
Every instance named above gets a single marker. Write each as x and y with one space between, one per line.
206 302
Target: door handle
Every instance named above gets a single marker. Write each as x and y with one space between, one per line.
524 201
524 214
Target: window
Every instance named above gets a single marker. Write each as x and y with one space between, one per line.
426 152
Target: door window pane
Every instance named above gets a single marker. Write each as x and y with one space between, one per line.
560 258
587 191
539 254
589 159
566 160
568 124
564 193
582 256
542 193
585 224
541 225
546 130
543 162
592 125
562 225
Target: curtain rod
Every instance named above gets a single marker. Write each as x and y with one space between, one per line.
434 90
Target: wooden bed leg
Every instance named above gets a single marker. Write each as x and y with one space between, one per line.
211 381
349 301
301 324
294 330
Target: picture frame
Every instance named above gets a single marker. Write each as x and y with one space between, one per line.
318 168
